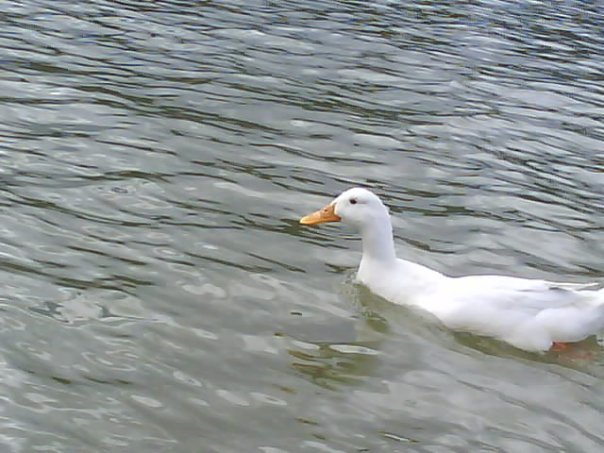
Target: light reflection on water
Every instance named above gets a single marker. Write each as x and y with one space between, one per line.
158 293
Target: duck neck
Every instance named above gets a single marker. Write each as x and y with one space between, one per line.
378 243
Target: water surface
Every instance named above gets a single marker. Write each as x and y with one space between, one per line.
157 291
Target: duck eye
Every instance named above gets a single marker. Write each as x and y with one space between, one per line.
353 201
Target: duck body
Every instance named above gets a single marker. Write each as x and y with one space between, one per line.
529 314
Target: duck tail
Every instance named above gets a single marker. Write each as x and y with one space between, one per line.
599 297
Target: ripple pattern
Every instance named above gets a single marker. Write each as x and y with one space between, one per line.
157 293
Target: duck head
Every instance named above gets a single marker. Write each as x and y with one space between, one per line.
356 206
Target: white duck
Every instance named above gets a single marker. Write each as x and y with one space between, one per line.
533 315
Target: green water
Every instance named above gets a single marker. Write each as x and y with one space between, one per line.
158 294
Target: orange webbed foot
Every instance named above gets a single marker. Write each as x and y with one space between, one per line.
572 351
559 347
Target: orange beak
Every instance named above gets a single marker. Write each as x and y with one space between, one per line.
327 214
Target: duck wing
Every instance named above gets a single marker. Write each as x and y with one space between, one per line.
530 314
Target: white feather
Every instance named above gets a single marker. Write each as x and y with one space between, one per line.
529 314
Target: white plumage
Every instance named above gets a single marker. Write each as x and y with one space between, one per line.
528 314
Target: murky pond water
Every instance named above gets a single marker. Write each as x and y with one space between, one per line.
157 292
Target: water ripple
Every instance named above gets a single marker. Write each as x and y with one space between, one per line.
157 289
